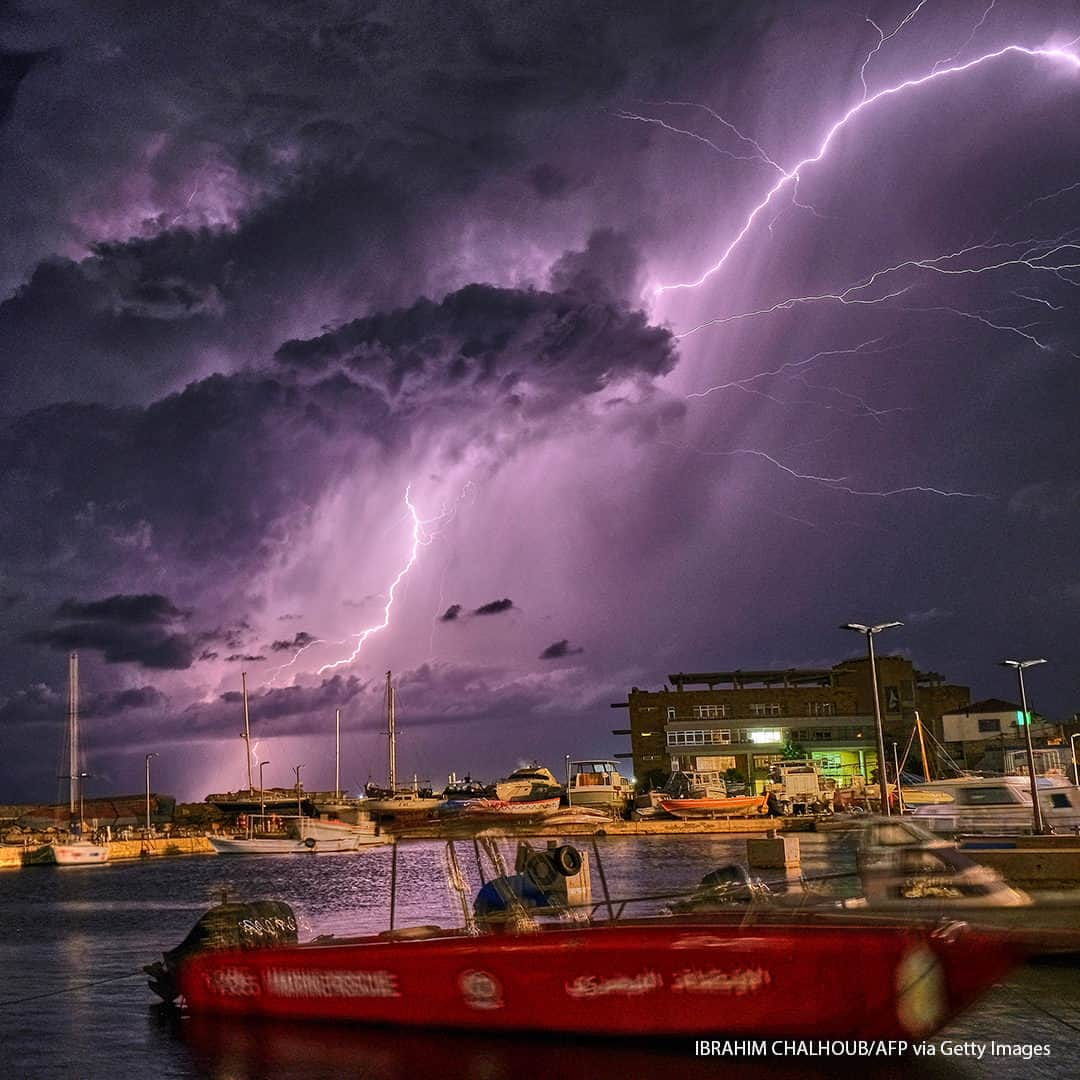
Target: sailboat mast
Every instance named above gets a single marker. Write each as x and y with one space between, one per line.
73 732
390 732
922 748
247 732
337 754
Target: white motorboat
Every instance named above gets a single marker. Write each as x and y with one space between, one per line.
597 783
992 804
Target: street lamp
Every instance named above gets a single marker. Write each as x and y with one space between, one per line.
1036 808
148 757
883 772
296 769
1076 762
262 797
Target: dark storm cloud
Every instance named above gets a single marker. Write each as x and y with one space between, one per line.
283 710
558 649
236 657
14 67
451 613
137 609
609 269
37 704
222 200
120 644
564 343
549 181
300 641
10 599
109 703
124 628
496 607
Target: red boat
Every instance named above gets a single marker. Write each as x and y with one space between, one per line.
692 976
734 806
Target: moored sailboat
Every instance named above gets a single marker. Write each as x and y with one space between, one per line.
76 850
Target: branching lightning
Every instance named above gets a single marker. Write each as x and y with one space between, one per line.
791 176
835 483
424 531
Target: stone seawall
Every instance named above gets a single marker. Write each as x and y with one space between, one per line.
119 850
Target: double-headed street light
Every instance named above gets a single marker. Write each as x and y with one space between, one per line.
883 772
1036 808
153 753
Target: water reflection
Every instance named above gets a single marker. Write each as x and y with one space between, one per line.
231 1050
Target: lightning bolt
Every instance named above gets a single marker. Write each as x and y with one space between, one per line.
422 535
1035 258
791 176
835 483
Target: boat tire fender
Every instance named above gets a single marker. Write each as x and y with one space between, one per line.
310 843
541 870
567 860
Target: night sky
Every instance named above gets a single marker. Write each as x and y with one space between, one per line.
314 312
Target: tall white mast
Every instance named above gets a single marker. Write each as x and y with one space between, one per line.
73 732
390 732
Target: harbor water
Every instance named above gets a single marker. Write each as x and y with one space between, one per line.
73 1001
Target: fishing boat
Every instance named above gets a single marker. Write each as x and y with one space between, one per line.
501 809
297 835
685 976
75 850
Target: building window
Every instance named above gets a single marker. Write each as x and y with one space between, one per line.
763 761
709 712
671 712
770 708
820 708
989 723
698 738
764 735
823 735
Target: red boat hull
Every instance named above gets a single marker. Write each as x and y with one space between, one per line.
653 977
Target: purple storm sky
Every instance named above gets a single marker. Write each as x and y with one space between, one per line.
308 310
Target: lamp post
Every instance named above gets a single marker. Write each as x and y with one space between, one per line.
148 757
296 769
883 772
1076 762
262 797
1036 808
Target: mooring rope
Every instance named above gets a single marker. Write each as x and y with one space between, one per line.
69 989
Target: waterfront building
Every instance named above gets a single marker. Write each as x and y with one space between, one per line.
988 736
747 720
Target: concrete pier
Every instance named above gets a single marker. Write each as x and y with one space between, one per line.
12 856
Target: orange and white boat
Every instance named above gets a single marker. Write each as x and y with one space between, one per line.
728 806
